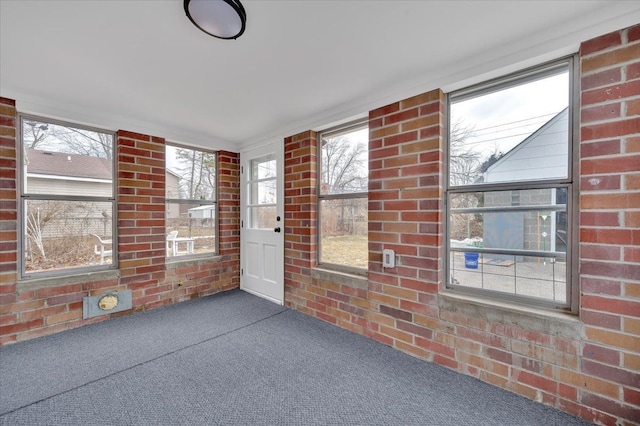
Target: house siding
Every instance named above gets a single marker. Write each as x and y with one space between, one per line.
38 185
542 156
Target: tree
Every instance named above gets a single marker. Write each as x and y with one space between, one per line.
68 140
198 173
344 165
34 133
36 221
84 142
464 169
495 156
344 170
464 162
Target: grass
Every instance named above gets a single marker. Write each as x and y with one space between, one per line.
349 250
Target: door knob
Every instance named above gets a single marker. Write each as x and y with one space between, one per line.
277 229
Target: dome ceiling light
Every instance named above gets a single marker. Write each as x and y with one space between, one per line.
223 19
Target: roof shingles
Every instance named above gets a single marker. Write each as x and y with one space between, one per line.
72 165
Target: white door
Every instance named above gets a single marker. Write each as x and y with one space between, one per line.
262 222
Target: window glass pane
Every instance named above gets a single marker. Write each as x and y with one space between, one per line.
191 174
264 192
516 133
263 168
535 277
344 229
59 234
191 228
488 219
262 217
191 225
345 167
499 223
65 160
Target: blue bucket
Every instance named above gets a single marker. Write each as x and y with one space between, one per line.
471 260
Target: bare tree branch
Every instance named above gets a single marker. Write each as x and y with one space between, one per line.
344 165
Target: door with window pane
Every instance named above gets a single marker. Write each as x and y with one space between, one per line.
262 224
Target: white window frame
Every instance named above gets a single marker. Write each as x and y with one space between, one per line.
336 131
25 196
570 182
198 202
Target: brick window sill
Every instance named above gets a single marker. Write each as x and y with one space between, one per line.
180 262
60 280
342 278
554 323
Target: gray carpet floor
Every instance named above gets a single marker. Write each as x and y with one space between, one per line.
235 359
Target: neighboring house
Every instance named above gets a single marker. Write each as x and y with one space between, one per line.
543 153
206 213
172 184
72 174
56 173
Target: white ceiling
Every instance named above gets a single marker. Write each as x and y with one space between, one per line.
140 65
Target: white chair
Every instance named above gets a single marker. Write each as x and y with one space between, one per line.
102 251
171 243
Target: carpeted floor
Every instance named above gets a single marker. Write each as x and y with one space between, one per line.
235 359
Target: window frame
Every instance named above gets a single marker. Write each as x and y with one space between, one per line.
336 131
24 196
571 64
197 202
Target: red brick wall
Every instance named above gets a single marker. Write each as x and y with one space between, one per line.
31 309
141 218
229 214
610 223
9 225
300 192
587 366
405 207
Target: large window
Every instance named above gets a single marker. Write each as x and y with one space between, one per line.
343 178
192 210
510 187
67 201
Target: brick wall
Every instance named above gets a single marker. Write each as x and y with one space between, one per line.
405 208
300 203
229 223
9 225
610 223
587 365
33 308
141 218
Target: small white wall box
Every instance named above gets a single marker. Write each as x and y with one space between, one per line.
388 258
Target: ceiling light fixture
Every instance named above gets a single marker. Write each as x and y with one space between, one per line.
223 19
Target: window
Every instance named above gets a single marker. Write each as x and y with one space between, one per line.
343 195
191 194
510 188
263 192
67 201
